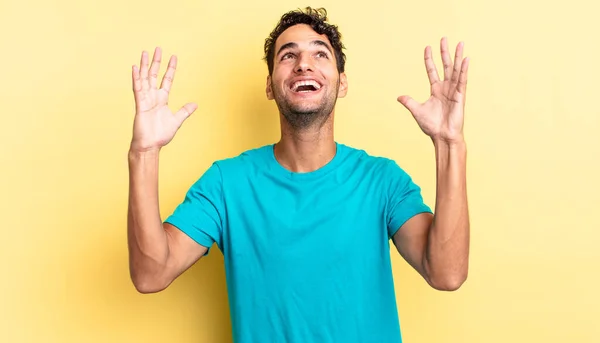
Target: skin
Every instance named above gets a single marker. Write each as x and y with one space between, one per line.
437 246
158 253
309 147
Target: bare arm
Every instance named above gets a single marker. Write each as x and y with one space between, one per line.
157 253
438 247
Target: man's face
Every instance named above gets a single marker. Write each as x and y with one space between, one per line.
305 82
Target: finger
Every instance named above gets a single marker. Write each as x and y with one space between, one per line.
137 82
167 80
185 111
446 60
409 103
144 70
457 62
155 67
430 67
135 78
462 80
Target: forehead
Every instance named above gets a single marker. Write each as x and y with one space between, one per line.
301 33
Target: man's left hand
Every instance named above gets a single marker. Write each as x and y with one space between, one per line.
441 117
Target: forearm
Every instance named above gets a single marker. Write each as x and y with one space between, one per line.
447 251
147 239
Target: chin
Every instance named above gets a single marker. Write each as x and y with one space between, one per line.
305 109
306 105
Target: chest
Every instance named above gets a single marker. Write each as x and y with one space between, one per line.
284 224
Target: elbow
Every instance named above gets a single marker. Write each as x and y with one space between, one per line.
147 284
448 283
146 288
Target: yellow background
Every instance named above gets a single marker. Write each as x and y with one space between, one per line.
532 128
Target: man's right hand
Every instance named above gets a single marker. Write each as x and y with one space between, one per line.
154 124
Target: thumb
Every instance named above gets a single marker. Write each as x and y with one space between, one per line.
185 111
409 103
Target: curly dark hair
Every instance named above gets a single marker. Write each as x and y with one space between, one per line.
317 19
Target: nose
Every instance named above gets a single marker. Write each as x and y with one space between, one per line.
303 64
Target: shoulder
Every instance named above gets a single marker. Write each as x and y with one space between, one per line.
247 157
244 162
229 166
377 165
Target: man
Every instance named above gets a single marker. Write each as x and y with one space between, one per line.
304 224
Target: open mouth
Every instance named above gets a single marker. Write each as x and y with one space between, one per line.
305 86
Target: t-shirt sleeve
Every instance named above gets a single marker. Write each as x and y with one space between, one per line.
200 215
404 198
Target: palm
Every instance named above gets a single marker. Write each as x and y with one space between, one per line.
155 125
442 115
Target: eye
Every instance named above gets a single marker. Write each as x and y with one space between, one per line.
322 54
287 55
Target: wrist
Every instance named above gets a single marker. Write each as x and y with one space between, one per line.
136 148
454 143
447 151
139 153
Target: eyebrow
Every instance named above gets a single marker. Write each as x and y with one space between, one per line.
292 45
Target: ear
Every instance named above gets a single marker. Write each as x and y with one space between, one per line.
343 86
269 90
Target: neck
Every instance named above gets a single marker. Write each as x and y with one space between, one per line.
305 150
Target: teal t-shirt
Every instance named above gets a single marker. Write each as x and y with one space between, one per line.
307 255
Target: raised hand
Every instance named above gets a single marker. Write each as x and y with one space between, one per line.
441 117
154 124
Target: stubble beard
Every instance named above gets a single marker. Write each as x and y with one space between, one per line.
301 117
